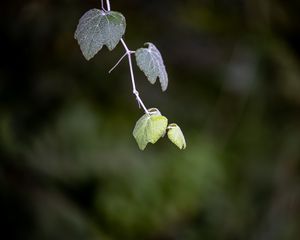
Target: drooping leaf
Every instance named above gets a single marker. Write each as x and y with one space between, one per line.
97 28
151 63
176 136
149 128
140 131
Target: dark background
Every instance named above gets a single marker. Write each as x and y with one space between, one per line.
69 165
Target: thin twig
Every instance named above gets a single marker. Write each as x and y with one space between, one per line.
128 53
135 92
117 63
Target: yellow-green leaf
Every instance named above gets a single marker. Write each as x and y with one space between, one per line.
176 136
149 128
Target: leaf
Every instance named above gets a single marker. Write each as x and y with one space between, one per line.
151 63
97 28
176 136
149 128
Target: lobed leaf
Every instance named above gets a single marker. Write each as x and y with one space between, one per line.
176 136
151 63
97 28
149 128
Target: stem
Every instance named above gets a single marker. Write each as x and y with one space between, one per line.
117 63
128 53
135 92
108 5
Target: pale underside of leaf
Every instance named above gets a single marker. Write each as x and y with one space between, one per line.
151 63
176 136
97 28
150 128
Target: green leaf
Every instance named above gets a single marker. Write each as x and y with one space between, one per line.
97 28
151 63
149 128
176 136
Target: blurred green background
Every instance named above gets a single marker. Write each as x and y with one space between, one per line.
69 165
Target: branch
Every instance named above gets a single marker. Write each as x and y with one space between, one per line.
135 92
117 63
128 53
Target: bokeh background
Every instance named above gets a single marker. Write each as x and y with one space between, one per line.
69 166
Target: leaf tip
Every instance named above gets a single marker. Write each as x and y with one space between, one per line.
164 88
